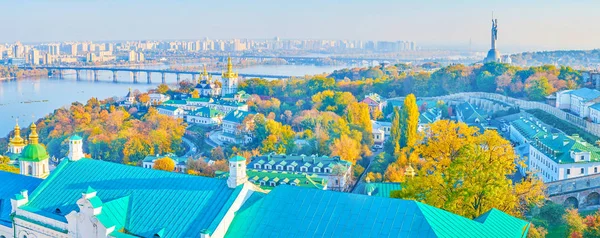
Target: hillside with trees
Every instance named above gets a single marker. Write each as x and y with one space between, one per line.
572 58
111 133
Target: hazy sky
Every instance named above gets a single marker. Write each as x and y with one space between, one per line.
523 24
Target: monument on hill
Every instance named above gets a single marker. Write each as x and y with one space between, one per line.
493 55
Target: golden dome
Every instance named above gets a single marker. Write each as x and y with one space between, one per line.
17 140
33 136
229 73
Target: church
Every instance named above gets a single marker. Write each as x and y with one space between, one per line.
84 197
228 85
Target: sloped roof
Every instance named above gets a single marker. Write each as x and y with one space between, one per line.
169 108
176 102
470 112
528 129
182 205
377 189
322 213
236 116
558 146
207 112
586 93
10 185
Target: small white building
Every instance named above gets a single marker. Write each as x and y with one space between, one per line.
171 111
205 116
553 156
157 98
580 102
381 132
180 162
235 128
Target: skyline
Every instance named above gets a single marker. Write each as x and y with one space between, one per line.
535 25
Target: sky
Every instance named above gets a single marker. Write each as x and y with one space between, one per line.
522 24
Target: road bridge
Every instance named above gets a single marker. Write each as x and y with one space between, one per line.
136 71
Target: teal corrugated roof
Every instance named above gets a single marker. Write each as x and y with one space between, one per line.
236 116
10 185
378 189
181 204
170 108
322 213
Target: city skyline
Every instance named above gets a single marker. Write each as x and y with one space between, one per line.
535 25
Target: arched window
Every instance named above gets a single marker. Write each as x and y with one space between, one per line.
30 172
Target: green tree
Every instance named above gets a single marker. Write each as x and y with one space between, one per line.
411 123
538 88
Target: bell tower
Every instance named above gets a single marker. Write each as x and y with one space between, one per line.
75 148
16 143
229 79
237 171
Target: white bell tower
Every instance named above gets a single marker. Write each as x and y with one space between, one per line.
237 171
75 148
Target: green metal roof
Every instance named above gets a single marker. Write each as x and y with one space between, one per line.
34 153
237 158
207 112
236 116
322 213
181 204
75 137
176 102
377 189
10 186
528 129
165 107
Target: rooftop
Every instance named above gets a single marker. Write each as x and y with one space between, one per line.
586 93
12 184
377 189
180 205
323 213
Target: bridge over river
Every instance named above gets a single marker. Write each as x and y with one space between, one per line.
58 70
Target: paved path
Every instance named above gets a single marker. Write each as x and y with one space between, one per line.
375 154
192 151
213 138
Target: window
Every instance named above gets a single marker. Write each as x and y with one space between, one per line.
582 170
595 169
568 171
582 158
316 170
257 166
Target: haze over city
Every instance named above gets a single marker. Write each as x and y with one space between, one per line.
306 118
524 25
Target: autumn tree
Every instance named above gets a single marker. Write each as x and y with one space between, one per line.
411 123
162 88
575 222
166 164
538 88
478 168
346 148
217 154
195 93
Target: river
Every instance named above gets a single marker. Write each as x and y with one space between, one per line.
31 99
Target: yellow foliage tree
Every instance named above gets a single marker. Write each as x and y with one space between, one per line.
346 148
195 93
166 164
466 172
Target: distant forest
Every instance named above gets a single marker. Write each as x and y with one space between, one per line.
573 58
